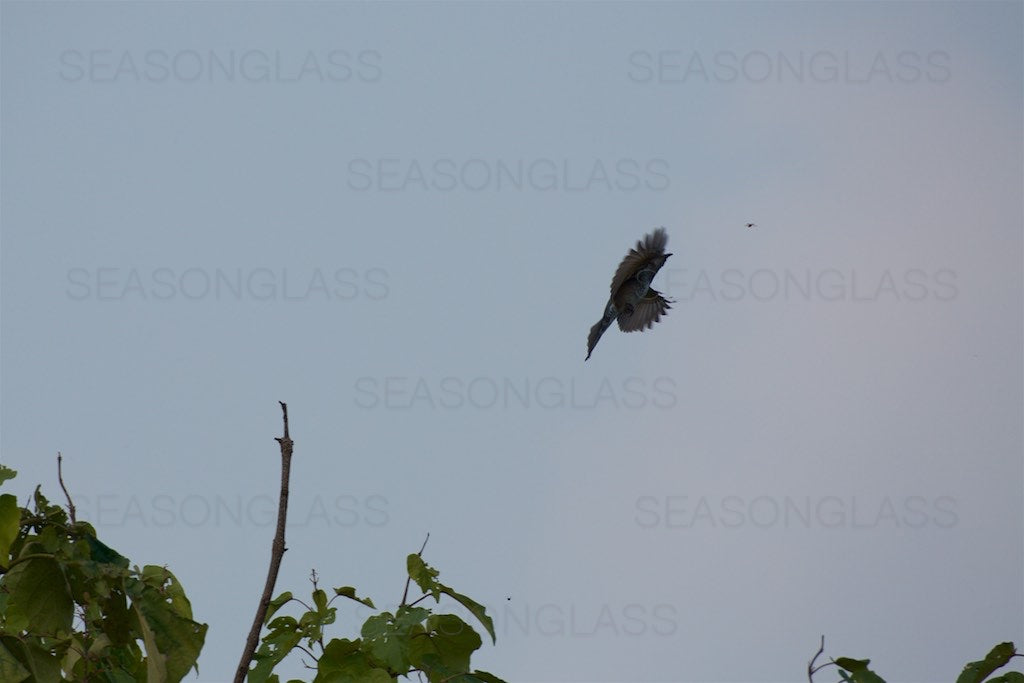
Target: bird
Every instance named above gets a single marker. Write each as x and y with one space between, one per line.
633 303
751 225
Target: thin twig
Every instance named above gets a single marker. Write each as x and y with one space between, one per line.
276 553
811 669
60 478
419 599
405 593
810 664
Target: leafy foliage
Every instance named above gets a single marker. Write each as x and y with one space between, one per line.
391 645
857 671
72 608
999 656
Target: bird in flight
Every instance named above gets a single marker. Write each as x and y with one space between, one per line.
751 225
633 303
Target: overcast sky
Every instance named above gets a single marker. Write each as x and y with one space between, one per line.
402 220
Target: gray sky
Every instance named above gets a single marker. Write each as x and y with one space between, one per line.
402 220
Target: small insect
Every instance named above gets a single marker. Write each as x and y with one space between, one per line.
751 225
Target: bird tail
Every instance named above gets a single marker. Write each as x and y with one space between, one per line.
596 331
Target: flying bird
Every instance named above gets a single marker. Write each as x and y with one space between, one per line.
633 303
751 225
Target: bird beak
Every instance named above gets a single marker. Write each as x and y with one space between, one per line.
667 255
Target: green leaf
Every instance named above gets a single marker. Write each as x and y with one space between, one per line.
485 677
859 670
386 636
49 541
173 640
343 661
475 677
350 593
377 625
1008 677
161 579
284 622
53 513
407 617
475 608
312 623
276 604
156 665
38 599
41 665
10 521
853 665
275 647
116 619
425 577
10 668
104 554
445 644
975 672
320 600
7 473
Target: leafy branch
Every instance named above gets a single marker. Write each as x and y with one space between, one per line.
71 608
857 671
411 640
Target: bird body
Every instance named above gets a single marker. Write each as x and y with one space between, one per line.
633 303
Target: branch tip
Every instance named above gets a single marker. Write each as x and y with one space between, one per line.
60 478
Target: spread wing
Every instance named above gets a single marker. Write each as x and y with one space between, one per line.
651 245
645 313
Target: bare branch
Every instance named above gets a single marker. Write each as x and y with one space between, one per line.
810 664
60 478
276 554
